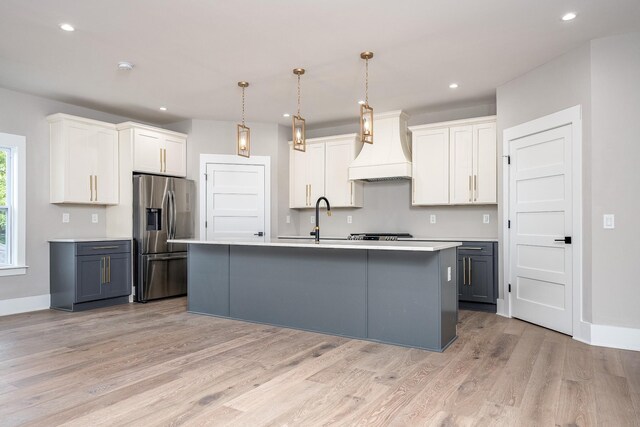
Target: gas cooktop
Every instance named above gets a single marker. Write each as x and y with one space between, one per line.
379 236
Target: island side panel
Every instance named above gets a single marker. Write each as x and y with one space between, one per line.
448 296
404 298
315 289
208 279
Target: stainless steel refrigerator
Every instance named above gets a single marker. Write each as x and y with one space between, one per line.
163 208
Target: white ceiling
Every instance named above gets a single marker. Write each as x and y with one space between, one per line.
189 55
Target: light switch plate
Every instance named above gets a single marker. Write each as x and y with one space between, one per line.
94 218
65 217
486 218
432 219
312 219
288 219
349 219
609 221
448 274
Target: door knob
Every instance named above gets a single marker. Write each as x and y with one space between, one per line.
566 239
259 234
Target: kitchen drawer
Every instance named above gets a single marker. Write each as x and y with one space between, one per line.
476 248
103 247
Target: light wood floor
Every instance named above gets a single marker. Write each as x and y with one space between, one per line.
155 364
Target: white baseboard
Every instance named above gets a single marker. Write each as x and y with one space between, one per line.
615 336
23 305
500 308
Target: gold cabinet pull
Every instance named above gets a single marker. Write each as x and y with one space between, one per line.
470 186
91 188
109 270
413 189
469 271
95 182
464 270
102 265
475 187
161 160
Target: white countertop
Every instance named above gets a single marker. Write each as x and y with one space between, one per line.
333 244
409 239
88 239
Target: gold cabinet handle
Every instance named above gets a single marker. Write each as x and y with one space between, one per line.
102 264
91 188
161 160
95 182
469 271
164 150
464 270
475 187
413 189
470 186
109 270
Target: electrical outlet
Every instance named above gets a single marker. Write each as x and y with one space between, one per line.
609 221
448 274
432 219
485 218
349 219
65 217
94 218
288 219
312 219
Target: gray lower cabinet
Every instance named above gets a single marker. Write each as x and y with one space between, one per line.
477 272
89 274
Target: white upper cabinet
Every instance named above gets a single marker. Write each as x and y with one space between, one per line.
84 160
323 171
155 150
455 162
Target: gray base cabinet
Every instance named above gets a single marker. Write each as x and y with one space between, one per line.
477 272
89 274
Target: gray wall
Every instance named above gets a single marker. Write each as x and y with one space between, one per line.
602 76
387 205
615 156
25 115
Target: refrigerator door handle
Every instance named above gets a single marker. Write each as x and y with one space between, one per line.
174 214
170 214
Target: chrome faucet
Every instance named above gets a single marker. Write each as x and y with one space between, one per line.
316 230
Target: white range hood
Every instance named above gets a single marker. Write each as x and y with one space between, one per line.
389 157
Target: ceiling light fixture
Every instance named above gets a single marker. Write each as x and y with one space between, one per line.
569 16
361 102
125 66
297 122
163 108
453 86
366 112
244 133
286 115
67 27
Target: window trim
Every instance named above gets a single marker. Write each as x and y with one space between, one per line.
18 146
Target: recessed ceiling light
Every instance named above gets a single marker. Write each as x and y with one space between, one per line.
361 102
569 16
453 86
124 65
286 115
163 108
67 27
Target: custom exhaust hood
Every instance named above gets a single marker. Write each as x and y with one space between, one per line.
389 157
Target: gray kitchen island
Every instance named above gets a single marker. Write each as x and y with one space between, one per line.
400 293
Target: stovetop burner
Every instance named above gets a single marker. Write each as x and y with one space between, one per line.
379 236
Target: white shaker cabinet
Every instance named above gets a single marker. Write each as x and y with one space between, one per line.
323 170
455 162
155 150
84 161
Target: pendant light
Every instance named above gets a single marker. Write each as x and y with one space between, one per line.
244 133
297 122
366 112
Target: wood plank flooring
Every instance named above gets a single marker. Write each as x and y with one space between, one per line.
156 364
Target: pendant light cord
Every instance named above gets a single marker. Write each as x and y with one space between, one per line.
298 95
366 82
243 107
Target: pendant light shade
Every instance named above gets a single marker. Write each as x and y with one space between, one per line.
297 122
366 111
244 133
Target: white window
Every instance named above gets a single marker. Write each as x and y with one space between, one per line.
12 204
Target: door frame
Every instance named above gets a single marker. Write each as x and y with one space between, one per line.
570 116
229 159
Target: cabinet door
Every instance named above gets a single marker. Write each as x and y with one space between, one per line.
315 171
106 173
118 275
147 151
461 152
430 183
89 277
462 278
484 163
298 184
338 188
175 162
81 155
480 276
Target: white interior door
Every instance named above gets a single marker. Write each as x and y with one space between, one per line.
540 210
235 202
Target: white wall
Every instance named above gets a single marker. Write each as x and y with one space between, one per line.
387 204
25 115
615 183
